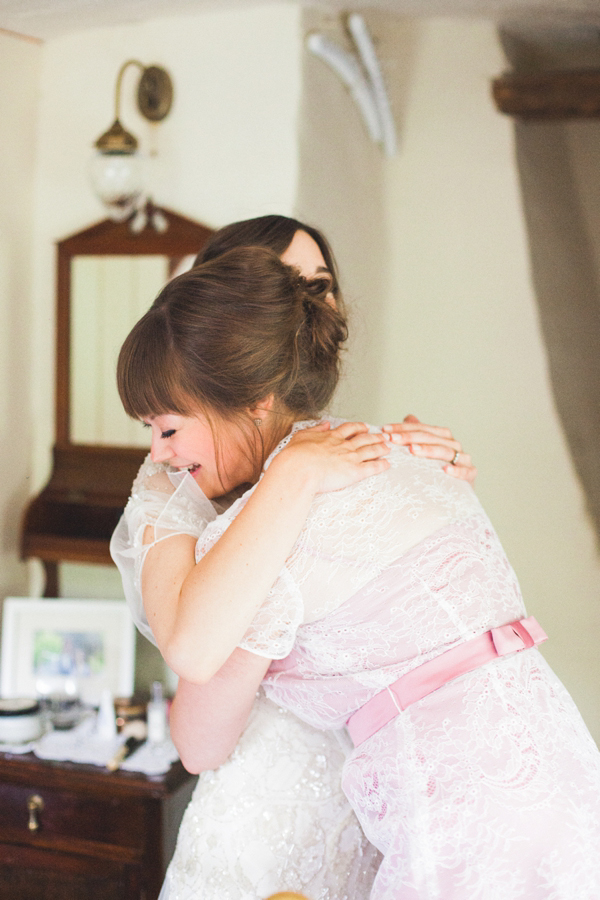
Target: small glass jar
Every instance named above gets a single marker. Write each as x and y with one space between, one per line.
63 711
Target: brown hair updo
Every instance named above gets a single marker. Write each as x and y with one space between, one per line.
230 333
273 231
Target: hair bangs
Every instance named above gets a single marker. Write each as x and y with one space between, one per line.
149 372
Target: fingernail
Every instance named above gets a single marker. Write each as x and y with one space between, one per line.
387 428
416 449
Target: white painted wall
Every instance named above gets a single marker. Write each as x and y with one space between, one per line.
20 61
226 151
341 191
462 345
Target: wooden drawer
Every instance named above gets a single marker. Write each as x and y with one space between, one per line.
119 821
30 872
101 835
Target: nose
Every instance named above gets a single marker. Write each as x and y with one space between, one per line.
160 450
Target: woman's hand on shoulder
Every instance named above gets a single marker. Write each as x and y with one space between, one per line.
434 442
335 458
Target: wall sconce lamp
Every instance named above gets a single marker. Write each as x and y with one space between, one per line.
117 168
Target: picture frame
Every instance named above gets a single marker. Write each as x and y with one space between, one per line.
71 647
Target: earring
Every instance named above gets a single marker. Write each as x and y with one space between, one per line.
257 422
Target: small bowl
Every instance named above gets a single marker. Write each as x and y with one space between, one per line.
20 720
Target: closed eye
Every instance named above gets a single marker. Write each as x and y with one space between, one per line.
163 434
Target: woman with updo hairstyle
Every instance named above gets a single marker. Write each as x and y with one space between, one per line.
273 816
215 347
224 342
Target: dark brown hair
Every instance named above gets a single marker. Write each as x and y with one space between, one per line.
228 334
274 232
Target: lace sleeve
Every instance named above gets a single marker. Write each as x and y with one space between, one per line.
273 630
171 503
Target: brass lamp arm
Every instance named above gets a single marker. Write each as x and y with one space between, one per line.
130 62
154 98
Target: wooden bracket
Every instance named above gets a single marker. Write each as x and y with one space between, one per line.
549 95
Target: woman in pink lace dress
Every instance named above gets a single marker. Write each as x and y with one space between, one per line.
387 604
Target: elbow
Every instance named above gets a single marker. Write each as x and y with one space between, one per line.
190 760
199 756
190 764
190 663
196 762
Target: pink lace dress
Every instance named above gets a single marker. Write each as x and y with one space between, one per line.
487 789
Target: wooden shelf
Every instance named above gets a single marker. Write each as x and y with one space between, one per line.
549 95
75 515
73 518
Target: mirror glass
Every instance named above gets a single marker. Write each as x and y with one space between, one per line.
108 295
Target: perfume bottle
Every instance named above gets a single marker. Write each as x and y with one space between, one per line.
106 725
157 715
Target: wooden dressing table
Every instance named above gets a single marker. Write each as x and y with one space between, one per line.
79 832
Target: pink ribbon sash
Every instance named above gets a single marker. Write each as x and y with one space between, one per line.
428 677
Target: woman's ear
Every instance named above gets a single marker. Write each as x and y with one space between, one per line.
262 409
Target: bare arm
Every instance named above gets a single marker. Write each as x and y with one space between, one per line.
434 442
207 720
199 613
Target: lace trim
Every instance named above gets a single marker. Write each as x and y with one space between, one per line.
170 502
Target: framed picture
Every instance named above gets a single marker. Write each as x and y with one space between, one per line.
73 647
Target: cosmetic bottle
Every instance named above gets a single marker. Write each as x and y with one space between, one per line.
106 726
157 715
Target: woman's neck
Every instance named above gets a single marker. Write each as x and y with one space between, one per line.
274 429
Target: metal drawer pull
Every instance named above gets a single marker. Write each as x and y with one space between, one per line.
34 804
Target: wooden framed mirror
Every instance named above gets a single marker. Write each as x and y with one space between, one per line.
107 276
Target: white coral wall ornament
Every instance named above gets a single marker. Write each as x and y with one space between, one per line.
361 73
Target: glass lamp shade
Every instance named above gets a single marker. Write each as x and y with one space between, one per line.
117 179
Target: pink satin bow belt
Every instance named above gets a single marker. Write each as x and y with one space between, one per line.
430 676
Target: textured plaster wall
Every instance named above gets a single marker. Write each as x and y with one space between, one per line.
341 191
462 343
20 62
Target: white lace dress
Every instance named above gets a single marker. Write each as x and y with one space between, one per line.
274 816
486 789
